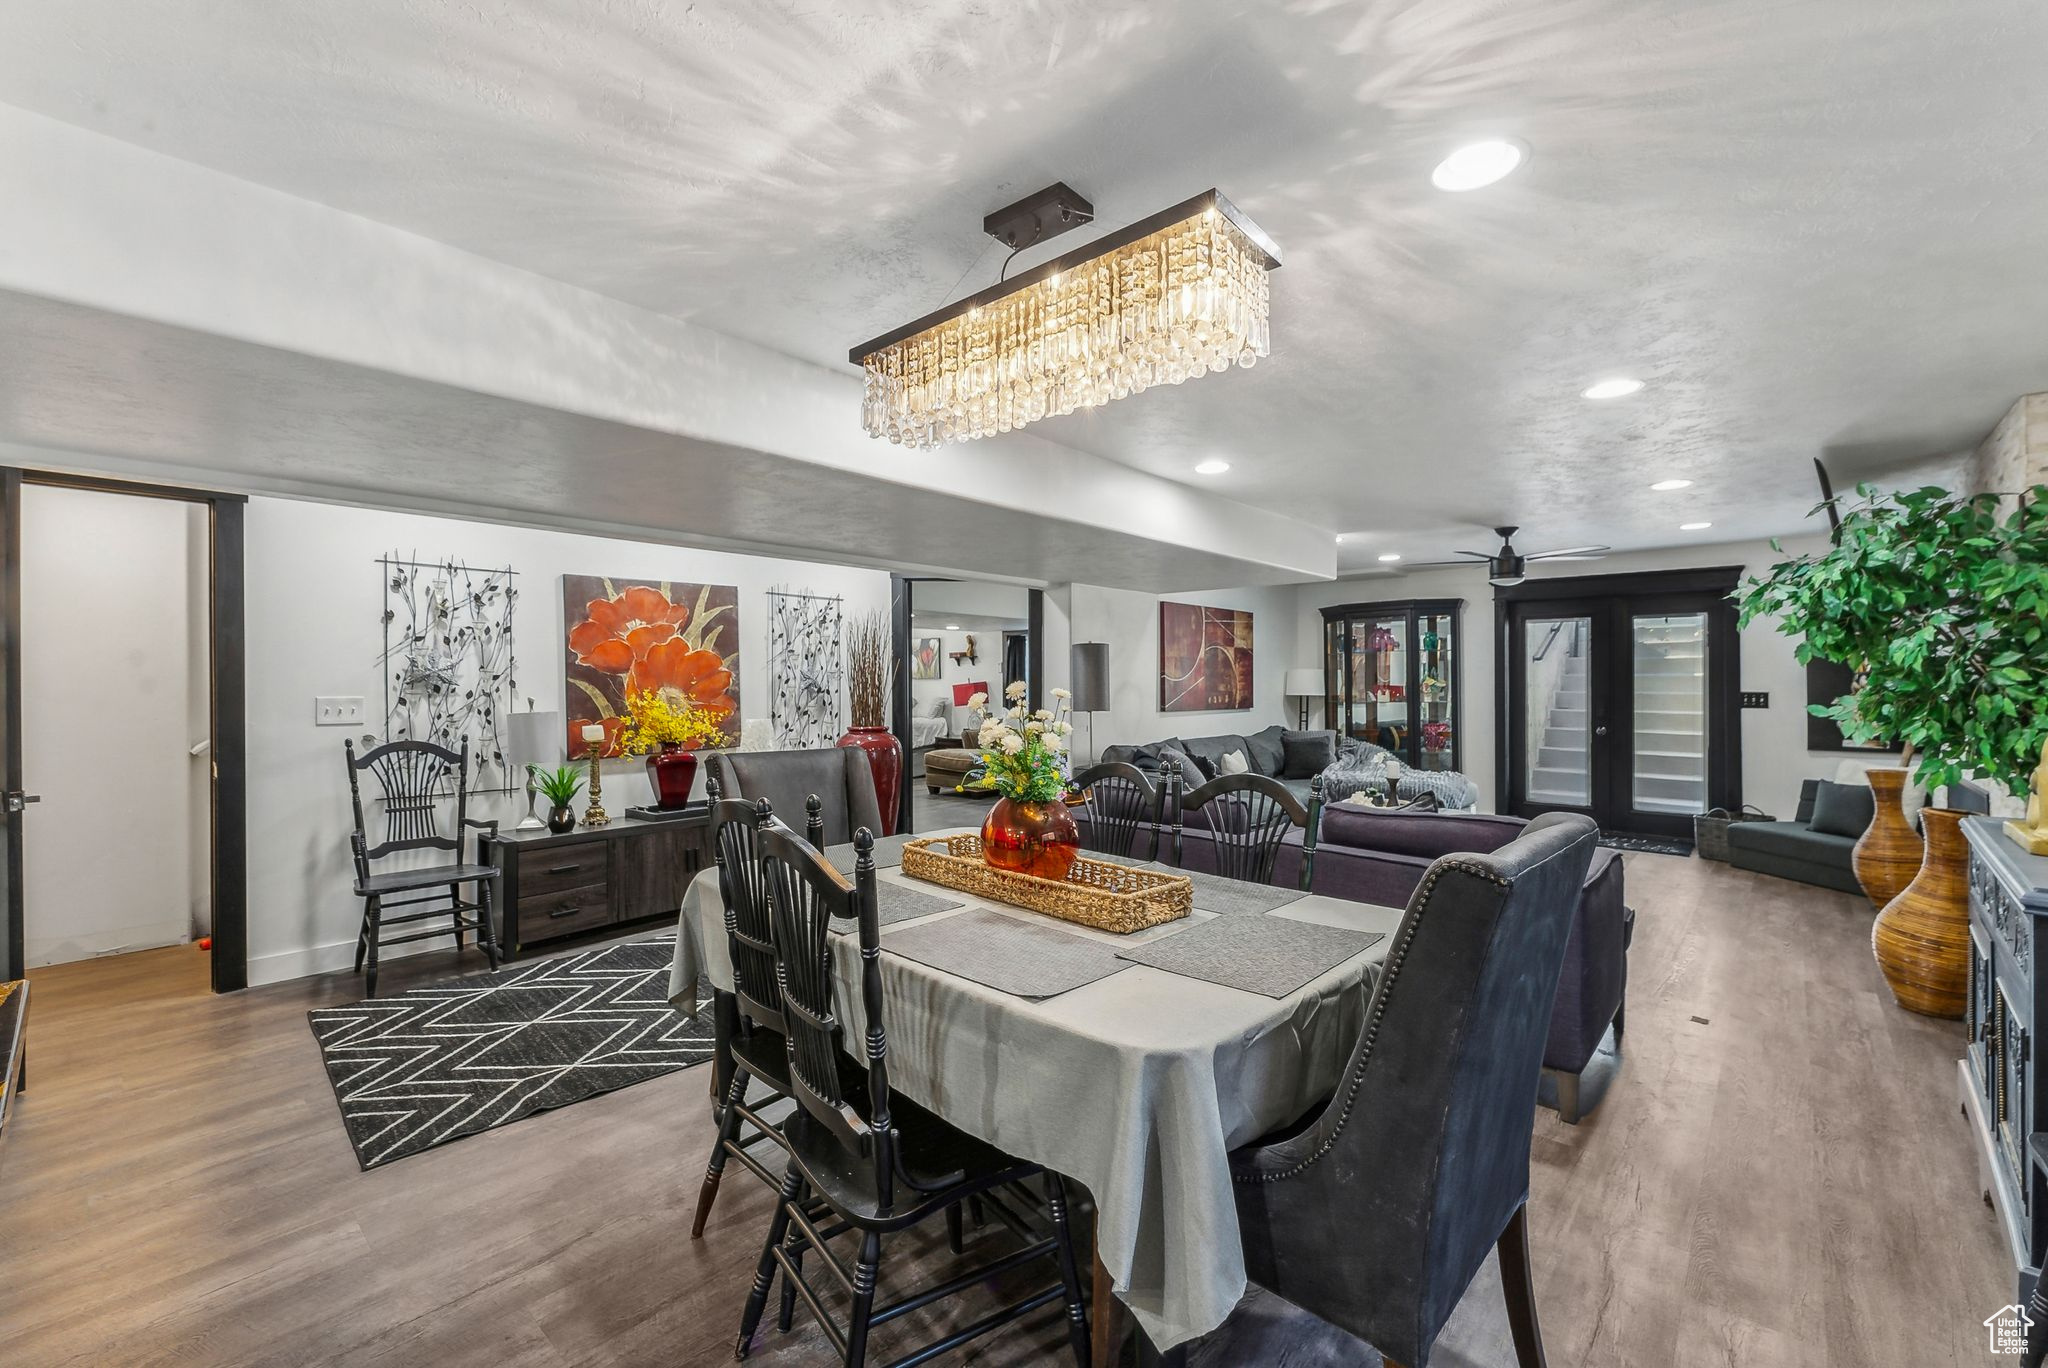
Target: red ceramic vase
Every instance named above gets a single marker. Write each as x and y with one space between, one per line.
673 771
1031 838
885 758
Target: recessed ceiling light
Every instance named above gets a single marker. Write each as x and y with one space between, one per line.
1340 541
1477 164
1212 467
1666 486
1390 555
1694 527
1618 388
952 626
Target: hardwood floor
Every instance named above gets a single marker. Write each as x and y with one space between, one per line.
1778 1177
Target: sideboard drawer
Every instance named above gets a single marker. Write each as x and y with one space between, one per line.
564 912
555 868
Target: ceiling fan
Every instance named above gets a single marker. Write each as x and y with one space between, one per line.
1509 566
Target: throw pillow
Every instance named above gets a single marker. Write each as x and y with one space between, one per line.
1191 773
1308 753
1233 762
1842 809
1264 750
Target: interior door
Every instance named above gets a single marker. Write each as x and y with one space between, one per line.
13 802
1622 708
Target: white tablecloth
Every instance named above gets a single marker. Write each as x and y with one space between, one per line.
1138 1085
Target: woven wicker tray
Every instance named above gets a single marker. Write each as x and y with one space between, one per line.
1108 897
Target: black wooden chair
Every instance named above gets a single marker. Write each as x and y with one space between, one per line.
414 777
747 1046
877 1162
840 778
1376 1213
1247 818
1123 806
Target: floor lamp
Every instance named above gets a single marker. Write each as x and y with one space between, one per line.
1088 673
1304 684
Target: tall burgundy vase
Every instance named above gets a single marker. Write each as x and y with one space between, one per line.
885 758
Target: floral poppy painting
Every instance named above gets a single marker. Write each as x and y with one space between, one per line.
629 637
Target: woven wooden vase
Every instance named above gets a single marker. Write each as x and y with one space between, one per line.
1922 937
1888 852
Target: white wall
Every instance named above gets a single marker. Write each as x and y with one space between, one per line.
988 668
1774 754
314 601
114 693
1129 622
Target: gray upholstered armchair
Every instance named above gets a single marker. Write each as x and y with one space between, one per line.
841 777
1377 1212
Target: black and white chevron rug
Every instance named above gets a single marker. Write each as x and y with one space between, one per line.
435 1064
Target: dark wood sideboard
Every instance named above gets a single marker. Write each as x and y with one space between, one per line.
594 881
2002 1091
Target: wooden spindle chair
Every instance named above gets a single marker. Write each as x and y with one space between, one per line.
878 1163
1248 817
414 777
1123 810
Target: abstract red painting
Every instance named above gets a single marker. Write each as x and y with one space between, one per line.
1205 658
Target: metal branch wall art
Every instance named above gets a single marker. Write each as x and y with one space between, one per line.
807 655
448 666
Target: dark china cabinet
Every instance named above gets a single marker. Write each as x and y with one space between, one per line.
2001 1089
1391 675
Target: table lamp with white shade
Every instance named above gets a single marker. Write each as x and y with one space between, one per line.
532 738
1304 684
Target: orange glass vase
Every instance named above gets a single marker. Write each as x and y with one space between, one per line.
1031 838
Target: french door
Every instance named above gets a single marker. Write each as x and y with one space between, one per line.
1622 706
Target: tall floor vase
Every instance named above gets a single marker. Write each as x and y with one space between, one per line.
1922 937
885 760
1887 855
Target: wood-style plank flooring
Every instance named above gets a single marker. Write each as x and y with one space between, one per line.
1785 1182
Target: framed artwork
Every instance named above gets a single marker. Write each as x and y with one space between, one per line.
1205 658
924 661
630 636
807 668
448 675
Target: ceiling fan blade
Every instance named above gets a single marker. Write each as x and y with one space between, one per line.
1569 553
1417 565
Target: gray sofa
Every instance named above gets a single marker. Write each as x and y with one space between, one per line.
1794 850
1266 752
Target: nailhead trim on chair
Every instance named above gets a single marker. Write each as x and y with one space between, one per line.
1381 995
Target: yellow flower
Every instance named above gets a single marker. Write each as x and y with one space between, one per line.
653 720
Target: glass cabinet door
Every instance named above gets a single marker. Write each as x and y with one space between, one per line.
1436 726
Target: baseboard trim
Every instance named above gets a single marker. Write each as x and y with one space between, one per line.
326 959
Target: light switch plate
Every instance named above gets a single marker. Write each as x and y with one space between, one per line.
334 710
1752 698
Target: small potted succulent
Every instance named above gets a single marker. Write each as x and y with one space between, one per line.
561 785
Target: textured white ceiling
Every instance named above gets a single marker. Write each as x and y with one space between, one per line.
1814 228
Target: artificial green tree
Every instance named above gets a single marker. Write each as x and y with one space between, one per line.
1937 602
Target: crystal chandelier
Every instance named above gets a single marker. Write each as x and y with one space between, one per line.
1179 294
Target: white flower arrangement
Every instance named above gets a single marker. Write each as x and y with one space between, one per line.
1024 752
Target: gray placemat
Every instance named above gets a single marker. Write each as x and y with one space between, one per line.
888 854
895 902
1010 956
1272 956
1232 897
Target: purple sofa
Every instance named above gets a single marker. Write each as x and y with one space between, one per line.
1378 856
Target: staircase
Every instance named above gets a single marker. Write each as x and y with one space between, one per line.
1670 715
1559 774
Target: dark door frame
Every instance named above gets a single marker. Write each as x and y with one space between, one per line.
228 708
1709 590
899 631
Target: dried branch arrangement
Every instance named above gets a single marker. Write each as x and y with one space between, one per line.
870 668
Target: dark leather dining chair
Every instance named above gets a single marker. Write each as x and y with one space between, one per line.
877 1162
840 777
1376 1215
1245 818
1122 811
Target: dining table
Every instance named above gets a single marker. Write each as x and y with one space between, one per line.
1052 1042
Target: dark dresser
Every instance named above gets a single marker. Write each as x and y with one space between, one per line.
595 881
2001 1085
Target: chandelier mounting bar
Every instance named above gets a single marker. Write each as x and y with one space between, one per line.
1039 217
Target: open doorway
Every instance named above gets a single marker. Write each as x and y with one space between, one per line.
121 726
959 638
